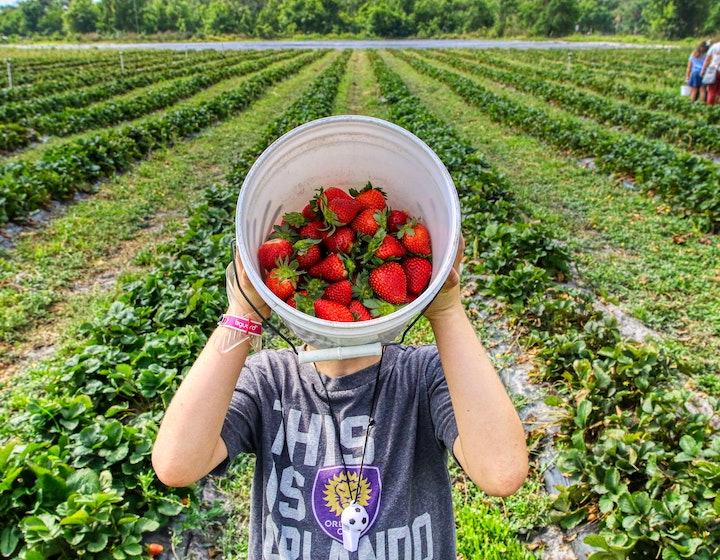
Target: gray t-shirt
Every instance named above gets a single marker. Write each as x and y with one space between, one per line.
301 484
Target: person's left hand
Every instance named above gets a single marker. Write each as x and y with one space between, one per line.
449 295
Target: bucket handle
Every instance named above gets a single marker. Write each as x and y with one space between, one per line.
340 353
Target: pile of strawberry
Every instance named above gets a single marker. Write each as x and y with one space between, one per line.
347 256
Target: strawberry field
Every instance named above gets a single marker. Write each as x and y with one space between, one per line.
590 194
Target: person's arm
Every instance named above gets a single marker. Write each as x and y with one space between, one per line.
688 71
708 58
491 445
188 445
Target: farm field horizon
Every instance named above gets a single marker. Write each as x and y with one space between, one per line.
590 194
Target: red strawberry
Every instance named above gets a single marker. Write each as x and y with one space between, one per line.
418 272
388 281
333 311
340 211
340 292
341 241
331 268
308 253
309 212
390 248
396 220
312 230
154 549
416 238
359 311
334 192
367 222
282 280
370 197
273 250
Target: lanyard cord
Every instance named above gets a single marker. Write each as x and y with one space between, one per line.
371 424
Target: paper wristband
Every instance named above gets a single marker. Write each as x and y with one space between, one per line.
240 324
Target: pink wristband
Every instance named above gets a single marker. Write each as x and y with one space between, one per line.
240 324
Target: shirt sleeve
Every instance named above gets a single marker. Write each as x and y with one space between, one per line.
241 427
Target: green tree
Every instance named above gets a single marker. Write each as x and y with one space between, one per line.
81 16
308 16
383 19
52 20
173 15
220 18
675 19
434 17
121 15
12 21
550 18
507 11
628 17
597 15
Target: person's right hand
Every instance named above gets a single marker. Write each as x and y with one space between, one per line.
237 302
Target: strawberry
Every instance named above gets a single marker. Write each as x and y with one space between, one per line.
312 230
416 238
273 250
308 253
370 197
333 311
341 240
368 221
154 549
390 248
388 281
282 280
340 211
396 220
340 292
334 192
359 311
418 272
331 268
309 212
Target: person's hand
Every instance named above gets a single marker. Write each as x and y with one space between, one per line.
239 304
448 298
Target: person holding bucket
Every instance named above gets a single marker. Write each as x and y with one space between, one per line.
693 77
351 454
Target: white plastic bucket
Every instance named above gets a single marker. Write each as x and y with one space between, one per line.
348 151
685 91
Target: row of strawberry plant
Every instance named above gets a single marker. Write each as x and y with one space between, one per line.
28 185
686 180
684 132
76 455
647 97
23 75
81 97
101 115
87 76
640 458
642 63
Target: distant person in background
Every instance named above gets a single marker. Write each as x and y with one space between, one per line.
695 64
710 67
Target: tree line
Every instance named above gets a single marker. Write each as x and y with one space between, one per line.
668 19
